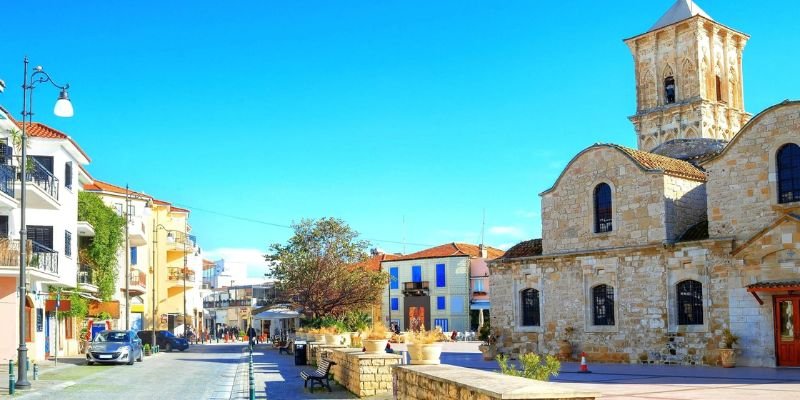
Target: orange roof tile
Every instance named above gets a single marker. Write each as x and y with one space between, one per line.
178 209
374 262
452 250
669 165
100 186
40 130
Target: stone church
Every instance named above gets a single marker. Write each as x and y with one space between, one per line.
648 254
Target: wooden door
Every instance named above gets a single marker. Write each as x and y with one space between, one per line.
787 330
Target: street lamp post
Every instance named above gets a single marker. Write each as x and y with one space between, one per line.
63 108
185 239
155 270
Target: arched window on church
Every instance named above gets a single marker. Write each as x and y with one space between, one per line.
603 305
530 307
602 208
788 160
719 89
690 302
669 90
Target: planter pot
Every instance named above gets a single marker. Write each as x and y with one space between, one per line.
375 346
727 357
489 351
414 351
355 340
389 335
148 352
300 336
335 339
428 354
565 350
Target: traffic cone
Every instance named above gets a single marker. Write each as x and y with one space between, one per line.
584 367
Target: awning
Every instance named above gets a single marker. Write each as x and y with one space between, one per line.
278 313
479 305
771 287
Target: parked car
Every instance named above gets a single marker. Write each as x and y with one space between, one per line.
115 347
165 340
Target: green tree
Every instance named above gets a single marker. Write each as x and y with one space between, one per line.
322 269
100 254
533 367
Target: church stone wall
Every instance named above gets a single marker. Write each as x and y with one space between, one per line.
568 209
742 182
685 205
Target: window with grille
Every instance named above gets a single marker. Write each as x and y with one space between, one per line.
68 243
603 305
690 303
602 208
442 323
42 235
530 307
788 160
68 175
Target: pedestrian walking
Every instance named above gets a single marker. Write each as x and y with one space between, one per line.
251 335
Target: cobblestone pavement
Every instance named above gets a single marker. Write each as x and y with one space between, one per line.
201 372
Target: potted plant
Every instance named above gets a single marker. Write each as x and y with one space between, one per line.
565 346
333 335
727 354
146 349
424 347
375 339
489 345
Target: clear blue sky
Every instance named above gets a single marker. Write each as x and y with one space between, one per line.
371 111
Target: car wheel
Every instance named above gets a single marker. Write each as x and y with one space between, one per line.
168 347
89 362
130 362
141 356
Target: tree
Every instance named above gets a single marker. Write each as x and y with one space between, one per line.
322 269
101 253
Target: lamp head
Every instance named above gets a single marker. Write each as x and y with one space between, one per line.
2 86
170 237
63 106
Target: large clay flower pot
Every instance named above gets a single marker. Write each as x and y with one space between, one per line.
429 354
489 351
565 350
414 350
727 357
334 339
375 346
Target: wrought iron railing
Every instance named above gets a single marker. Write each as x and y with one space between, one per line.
8 174
43 258
41 177
228 303
415 285
177 274
138 279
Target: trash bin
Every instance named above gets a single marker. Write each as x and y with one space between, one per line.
300 352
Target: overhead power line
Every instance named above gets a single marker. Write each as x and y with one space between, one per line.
261 222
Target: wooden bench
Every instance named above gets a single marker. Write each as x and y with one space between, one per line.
286 347
322 372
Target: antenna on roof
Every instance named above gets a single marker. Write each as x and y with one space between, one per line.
483 226
404 234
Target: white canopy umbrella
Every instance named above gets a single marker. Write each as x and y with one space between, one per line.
278 313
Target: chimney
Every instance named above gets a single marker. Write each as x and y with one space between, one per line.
484 252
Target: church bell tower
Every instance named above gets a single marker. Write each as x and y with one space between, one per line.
688 72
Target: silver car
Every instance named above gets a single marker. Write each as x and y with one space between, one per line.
115 347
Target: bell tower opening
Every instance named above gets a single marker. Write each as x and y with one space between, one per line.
688 78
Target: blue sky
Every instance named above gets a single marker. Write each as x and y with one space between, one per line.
373 112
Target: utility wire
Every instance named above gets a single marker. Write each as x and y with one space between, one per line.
258 221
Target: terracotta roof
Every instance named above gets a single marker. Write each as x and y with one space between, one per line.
453 250
40 130
788 284
374 262
528 248
178 209
100 186
698 231
668 165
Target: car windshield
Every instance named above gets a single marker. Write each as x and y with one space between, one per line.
111 337
168 334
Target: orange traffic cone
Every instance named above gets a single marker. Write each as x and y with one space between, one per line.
584 366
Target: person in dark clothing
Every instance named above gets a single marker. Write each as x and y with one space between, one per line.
251 335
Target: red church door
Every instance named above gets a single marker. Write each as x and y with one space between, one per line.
787 330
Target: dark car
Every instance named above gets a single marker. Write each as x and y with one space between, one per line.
165 340
115 347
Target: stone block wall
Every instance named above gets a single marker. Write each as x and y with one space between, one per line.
685 205
742 181
362 373
448 382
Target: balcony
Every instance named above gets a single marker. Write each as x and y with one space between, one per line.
8 177
86 279
228 303
85 229
416 288
178 276
42 262
138 283
42 187
181 242
136 231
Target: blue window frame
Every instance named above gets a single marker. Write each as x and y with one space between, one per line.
442 323
394 283
440 303
441 278
395 304
134 255
416 273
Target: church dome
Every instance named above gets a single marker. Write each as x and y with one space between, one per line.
694 151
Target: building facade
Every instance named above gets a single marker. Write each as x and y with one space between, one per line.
433 287
648 255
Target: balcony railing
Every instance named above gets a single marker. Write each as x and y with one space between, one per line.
8 174
228 303
178 274
41 177
415 288
138 279
43 258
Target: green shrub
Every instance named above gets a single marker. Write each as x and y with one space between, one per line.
533 367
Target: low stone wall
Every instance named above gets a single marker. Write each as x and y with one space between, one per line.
315 350
364 374
448 382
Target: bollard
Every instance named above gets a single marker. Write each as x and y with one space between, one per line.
11 380
35 371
